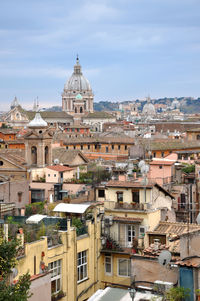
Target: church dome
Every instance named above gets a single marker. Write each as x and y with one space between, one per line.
77 82
37 122
149 109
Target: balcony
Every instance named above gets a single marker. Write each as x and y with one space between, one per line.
129 206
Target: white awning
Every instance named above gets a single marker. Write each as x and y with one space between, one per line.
35 219
71 208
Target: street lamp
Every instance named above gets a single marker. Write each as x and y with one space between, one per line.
132 292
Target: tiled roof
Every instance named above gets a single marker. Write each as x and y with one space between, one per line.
127 184
17 156
174 228
99 115
161 162
100 139
48 114
127 219
193 262
59 168
67 157
172 144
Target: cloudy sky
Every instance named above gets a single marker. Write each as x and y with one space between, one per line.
127 48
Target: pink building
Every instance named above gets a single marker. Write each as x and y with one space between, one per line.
161 171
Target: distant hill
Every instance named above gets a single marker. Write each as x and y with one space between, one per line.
54 109
188 105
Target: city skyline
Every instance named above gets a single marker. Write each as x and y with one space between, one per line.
127 49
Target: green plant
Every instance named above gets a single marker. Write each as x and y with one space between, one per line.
11 292
177 294
76 222
188 169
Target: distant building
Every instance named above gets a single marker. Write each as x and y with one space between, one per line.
77 97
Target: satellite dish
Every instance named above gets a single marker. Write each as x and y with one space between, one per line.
164 258
141 163
198 219
56 161
14 272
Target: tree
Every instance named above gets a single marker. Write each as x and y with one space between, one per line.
18 291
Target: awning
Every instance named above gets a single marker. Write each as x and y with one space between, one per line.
35 219
71 208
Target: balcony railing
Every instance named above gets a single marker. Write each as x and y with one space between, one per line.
129 206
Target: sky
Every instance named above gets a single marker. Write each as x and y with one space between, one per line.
128 49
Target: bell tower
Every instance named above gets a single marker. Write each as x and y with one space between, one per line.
38 143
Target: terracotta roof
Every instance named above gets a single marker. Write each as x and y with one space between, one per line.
172 144
59 168
100 139
48 114
161 162
127 219
127 184
67 157
174 229
190 262
99 115
16 156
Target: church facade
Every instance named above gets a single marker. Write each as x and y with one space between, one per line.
77 96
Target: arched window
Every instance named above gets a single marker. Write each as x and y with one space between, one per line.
81 110
34 155
75 110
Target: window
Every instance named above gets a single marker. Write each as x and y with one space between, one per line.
154 155
119 147
67 147
54 175
160 166
198 137
1 163
95 146
55 270
81 147
113 147
130 232
162 154
74 146
49 175
108 264
183 200
142 231
101 193
82 266
135 196
88 146
106 149
124 267
19 197
119 196
125 147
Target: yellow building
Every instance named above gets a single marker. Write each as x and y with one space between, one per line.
74 261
